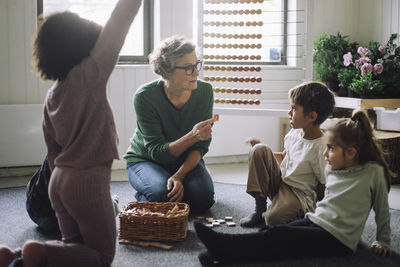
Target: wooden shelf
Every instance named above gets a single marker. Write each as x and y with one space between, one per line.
354 103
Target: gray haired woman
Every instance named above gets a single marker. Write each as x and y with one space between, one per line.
173 130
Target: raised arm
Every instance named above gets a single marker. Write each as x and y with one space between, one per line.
112 37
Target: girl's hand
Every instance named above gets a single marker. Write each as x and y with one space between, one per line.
382 250
253 141
202 130
176 193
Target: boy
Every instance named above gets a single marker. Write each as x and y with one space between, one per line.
290 178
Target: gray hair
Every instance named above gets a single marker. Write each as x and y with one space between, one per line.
164 57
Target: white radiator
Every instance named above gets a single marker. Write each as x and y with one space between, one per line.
22 143
21 137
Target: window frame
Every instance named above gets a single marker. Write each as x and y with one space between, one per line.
148 34
283 61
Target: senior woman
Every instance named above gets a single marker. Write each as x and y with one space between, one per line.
173 130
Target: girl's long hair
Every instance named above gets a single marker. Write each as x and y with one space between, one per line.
357 132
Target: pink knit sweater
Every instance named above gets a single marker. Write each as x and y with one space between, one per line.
78 123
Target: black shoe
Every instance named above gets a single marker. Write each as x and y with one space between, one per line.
206 259
252 220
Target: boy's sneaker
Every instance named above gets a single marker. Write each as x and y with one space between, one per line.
252 220
255 219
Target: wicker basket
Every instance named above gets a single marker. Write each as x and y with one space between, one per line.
159 225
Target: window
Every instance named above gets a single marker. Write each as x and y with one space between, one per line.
138 43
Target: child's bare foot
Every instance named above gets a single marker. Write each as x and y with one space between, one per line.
34 253
7 255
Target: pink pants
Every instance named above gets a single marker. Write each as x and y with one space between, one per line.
83 205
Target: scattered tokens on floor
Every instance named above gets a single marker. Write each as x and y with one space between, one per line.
231 224
211 222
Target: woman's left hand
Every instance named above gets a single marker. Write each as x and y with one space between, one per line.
382 250
176 193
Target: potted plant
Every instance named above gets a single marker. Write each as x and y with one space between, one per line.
328 58
374 71
345 78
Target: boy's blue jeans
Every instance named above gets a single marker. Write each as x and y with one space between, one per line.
150 181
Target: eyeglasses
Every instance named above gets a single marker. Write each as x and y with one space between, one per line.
190 68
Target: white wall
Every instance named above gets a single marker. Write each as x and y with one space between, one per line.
361 19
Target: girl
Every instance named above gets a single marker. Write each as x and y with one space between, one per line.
358 178
80 135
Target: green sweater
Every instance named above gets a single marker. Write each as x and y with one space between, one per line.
158 122
349 196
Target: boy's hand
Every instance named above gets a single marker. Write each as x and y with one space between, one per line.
252 141
382 250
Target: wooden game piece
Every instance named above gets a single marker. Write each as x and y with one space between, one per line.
230 224
209 225
228 218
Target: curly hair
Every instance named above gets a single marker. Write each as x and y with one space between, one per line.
62 41
164 57
314 96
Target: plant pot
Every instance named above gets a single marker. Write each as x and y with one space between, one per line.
333 85
343 91
351 93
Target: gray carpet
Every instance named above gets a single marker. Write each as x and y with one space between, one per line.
16 227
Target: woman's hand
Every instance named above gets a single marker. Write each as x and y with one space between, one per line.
382 250
202 130
176 193
252 141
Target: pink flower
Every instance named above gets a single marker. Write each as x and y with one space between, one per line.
365 69
347 59
363 51
382 49
361 61
378 68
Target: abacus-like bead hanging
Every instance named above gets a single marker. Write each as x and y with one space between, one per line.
229 90
233 36
233 12
232 57
232 68
237 101
232 79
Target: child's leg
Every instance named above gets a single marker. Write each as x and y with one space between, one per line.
285 207
7 255
34 254
263 181
264 175
304 239
82 201
199 189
